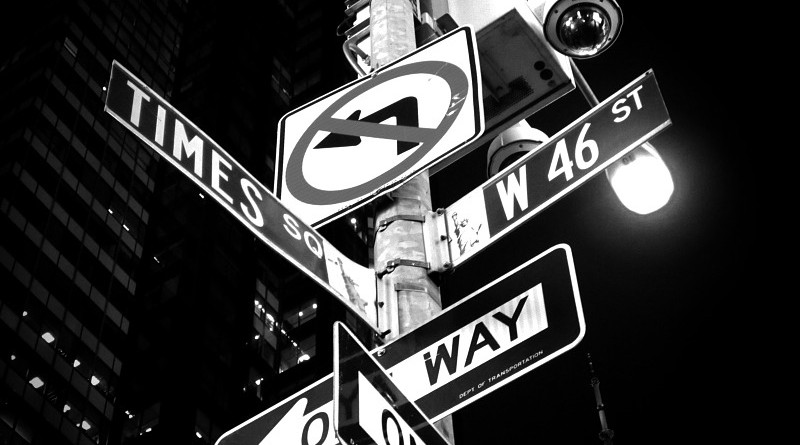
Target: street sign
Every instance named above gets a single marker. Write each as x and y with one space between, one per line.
190 150
305 418
504 330
368 407
346 148
571 157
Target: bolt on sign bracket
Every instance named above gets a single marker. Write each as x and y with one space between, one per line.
434 230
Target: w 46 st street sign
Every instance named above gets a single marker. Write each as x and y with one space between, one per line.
196 155
574 155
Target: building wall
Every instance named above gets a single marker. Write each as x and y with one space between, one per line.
74 214
133 309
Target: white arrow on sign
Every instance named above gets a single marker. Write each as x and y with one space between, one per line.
575 154
305 418
344 149
315 429
368 406
196 155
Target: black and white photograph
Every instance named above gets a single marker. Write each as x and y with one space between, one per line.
389 222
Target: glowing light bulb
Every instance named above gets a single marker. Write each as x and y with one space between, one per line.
641 180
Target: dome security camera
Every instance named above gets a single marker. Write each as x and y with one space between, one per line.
512 144
581 28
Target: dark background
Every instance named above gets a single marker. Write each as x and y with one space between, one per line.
669 298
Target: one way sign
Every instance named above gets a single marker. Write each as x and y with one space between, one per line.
370 136
508 328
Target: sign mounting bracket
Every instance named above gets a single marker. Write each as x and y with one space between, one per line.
384 223
391 265
437 251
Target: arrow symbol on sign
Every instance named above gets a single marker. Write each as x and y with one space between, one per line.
348 132
286 430
298 427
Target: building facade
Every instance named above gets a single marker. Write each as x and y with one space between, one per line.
134 309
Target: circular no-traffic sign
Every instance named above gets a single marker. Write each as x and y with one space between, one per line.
427 138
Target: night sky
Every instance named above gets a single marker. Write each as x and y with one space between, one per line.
664 295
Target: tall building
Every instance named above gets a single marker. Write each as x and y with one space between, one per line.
135 309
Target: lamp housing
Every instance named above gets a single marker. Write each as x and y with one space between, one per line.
512 144
641 180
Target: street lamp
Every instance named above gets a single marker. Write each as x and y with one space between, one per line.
640 179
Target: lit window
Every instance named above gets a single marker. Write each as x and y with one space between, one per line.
95 381
48 337
71 47
36 382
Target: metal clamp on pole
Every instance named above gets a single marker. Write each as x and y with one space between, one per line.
351 8
409 287
437 249
350 47
384 223
392 264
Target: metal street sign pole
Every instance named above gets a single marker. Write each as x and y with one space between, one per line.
407 293
219 175
567 160
490 338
